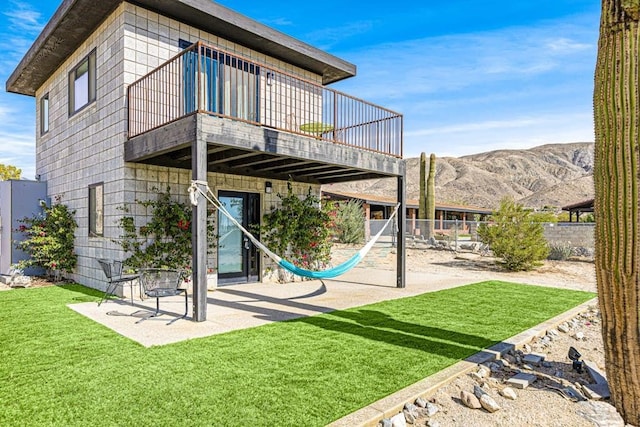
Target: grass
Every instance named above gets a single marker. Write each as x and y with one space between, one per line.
60 368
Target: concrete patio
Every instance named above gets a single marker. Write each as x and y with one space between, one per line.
248 305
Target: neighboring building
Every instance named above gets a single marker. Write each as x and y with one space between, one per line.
132 96
577 209
380 207
19 199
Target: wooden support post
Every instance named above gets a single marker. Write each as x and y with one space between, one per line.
199 232
402 224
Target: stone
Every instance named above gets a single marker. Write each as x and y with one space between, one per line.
20 281
385 422
469 400
431 409
489 404
398 420
508 393
526 348
552 332
527 367
521 380
596 391
596 374
495 368
600 413
410 417
533 358
563 327
503 363
579 336
546 364
421 403
432 423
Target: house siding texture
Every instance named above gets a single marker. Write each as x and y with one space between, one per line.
88 147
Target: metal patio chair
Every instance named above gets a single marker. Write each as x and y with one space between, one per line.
113 271
158 283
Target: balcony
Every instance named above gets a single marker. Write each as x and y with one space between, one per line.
204 79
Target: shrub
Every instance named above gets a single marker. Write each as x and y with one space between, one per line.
299 231
349 222
165 240
49 239
514 237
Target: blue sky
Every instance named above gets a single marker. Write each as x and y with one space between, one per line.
468 76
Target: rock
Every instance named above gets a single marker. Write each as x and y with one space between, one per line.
508 393
489 404
432 423
552 333
385 422
398 420
579 336
495 368
486 401
521 380
563 327
421 403
528 367
432 409
600 414
503 363
469 400
410 417
533 358
526 348
546 364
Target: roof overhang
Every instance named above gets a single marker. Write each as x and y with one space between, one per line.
75 20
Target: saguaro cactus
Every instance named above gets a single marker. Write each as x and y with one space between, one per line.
431 196
616 173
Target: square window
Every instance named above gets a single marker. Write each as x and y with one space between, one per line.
96 213
82 84
44 114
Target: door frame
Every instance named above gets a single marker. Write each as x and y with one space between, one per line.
251 262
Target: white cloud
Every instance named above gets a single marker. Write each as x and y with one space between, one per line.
23 18
327 37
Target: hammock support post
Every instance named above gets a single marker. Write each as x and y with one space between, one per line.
401 250
199 242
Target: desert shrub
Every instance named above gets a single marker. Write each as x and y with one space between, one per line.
514 237
349 222
560 252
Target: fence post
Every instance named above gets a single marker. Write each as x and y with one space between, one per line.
456 234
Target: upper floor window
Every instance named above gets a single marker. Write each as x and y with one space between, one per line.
96 213
44 114
82 83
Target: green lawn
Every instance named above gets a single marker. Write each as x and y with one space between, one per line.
60 368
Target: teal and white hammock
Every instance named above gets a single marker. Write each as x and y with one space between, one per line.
323 274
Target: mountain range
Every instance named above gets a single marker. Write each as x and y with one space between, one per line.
552 175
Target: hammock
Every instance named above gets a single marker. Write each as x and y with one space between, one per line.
323 274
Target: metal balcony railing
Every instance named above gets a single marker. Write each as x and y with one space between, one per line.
205 79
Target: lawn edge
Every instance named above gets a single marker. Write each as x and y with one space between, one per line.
370 415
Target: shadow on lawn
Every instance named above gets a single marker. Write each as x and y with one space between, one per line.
378 326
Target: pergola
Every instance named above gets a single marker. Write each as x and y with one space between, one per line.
578 209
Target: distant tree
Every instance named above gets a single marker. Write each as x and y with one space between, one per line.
515 237
616 102
8 172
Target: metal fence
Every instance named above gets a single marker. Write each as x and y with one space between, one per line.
457 235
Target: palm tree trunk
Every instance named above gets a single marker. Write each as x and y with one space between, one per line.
616 177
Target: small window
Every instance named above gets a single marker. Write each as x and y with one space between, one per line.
96 215
82 84
44 114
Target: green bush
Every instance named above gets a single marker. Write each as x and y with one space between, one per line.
49 239
349 222
515 237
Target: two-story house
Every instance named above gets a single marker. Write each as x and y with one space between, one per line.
132 96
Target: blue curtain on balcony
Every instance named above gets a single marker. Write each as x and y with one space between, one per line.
208 90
